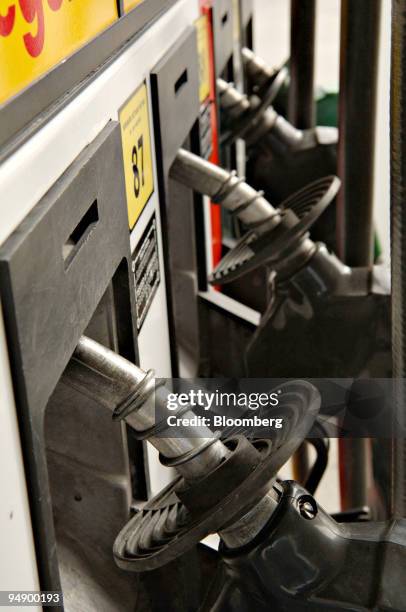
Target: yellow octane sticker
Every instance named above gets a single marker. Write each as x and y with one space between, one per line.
136 143
130 4
37 34
204 57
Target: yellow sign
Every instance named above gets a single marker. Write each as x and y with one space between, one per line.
136 143
204 57
37 34
130 4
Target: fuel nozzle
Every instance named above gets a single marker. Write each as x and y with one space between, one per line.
260 75
131 394
224 486
277 236
311 287
281 158
263 82
225 188
283 145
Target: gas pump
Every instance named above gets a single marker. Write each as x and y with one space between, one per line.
277 544
115 281
79 209
82 250
310 288
185 241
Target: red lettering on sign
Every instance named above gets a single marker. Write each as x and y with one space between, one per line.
55 5
34 10
7 22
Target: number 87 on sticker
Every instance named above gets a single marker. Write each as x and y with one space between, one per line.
137 158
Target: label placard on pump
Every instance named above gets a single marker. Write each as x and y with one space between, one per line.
204 57
137 156
145 266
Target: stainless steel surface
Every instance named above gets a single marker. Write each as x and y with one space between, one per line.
110 379
226 188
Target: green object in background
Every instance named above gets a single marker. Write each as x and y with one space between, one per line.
326 104
327 108
377 248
